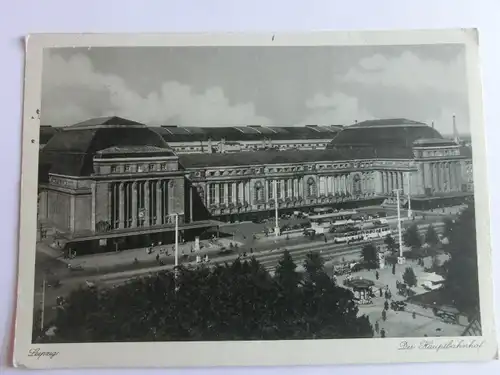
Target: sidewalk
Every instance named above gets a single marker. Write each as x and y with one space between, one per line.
164 253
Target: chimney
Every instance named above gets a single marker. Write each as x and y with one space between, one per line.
455 132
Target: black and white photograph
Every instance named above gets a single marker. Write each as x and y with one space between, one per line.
262 193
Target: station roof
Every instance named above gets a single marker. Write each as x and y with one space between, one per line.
72 149
388 133
246 133
267 157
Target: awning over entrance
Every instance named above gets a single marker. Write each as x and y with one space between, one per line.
142 231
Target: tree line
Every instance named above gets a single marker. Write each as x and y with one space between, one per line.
237 301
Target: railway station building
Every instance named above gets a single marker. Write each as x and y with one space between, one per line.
111 182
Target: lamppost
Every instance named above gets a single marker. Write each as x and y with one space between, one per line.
277 224
176 246
176 249
409 195
401 258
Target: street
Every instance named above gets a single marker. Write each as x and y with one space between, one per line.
268 254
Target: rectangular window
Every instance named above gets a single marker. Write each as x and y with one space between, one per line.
221 193
211 194
270 189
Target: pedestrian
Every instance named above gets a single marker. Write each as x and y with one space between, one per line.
251 250
157 257
386 305
384 315
414 315
326 239
382 333
394 269
377 328
377 275
380 292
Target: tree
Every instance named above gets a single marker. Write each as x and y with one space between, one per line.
237 301
461 284
369 254
431 237
286 272
409 277
314 265
411 237
390 243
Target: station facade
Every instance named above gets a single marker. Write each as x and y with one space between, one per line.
110 179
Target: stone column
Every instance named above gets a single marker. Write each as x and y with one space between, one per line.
191 192
453 179
458 176
248 192
217 198
121 207
226 193
158 202
134 204
442 176
429 177
434 178
146 203
110 203
235 192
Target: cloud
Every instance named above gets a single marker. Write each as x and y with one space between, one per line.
334 109
410 72
74 91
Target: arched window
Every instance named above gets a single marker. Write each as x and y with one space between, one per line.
258 191
356 185
311 187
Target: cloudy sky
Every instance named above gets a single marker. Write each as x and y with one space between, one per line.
227 86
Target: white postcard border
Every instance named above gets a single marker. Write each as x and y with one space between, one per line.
245 353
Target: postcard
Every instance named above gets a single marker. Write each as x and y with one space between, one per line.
198 200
